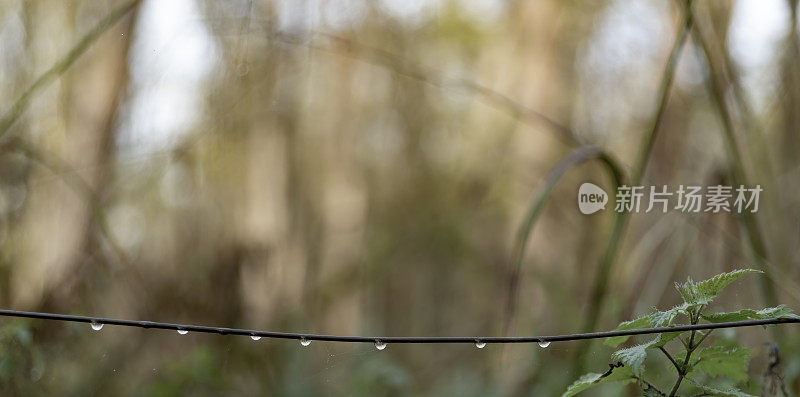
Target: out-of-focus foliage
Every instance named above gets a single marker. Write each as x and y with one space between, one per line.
362 167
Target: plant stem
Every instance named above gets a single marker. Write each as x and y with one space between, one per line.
683 370
649 385
704 337
672 360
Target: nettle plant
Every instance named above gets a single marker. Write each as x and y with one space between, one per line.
694 365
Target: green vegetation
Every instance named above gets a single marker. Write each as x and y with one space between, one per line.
690 362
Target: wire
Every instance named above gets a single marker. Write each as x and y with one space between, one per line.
391 339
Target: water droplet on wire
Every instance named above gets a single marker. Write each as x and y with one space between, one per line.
304 342
182 332
97 326
380 345
543 343
480 344
255 337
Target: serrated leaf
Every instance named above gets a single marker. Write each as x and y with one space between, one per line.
616 373
655 319
719 361
633 356
749 314
641 322
663 338
703 292
730 392
662 319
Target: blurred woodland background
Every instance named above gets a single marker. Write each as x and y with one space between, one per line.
363 167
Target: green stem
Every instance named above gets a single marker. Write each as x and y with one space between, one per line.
672 360
704 337
683 370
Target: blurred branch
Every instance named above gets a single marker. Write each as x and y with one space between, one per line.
429 76
62 65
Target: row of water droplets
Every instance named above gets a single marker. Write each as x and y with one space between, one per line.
380 345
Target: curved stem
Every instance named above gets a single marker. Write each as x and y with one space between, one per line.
578 156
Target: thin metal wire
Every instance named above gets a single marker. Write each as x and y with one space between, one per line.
390 339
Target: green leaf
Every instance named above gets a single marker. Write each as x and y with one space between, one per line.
703 292
719 360
730 392
749 314
655 319
663 319
634 356
641 322
616 373
663 338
